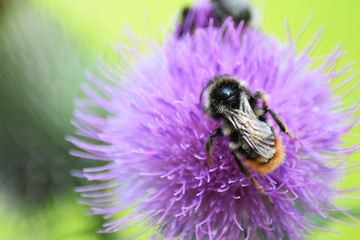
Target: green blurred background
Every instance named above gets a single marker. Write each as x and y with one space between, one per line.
45 47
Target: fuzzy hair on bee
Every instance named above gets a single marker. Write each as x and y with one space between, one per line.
239 10
252 140
199 16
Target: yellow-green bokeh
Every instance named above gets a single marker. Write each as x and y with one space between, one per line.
96 24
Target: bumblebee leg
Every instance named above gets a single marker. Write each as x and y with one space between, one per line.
280 122
209 144
258 95
252 179
259 111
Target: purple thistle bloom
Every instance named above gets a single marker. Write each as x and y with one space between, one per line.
153 140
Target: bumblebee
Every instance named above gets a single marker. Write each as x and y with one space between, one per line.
238 10
251 138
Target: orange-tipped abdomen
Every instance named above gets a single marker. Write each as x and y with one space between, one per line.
272 163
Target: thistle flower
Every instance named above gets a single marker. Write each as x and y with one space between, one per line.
154 135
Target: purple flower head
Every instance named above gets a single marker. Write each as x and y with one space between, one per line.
153 140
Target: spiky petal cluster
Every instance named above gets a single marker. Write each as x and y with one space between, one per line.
152 140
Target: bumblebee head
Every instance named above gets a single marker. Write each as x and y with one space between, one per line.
222 91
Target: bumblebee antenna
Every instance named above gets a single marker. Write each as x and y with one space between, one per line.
201 94
202 91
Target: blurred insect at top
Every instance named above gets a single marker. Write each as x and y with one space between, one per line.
214 13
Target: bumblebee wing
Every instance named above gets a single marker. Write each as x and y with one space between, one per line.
245 106
257 134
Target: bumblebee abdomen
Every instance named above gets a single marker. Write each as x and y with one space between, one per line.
239 145
271 164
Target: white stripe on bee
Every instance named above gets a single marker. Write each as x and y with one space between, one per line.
234 145
259 111
226 129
